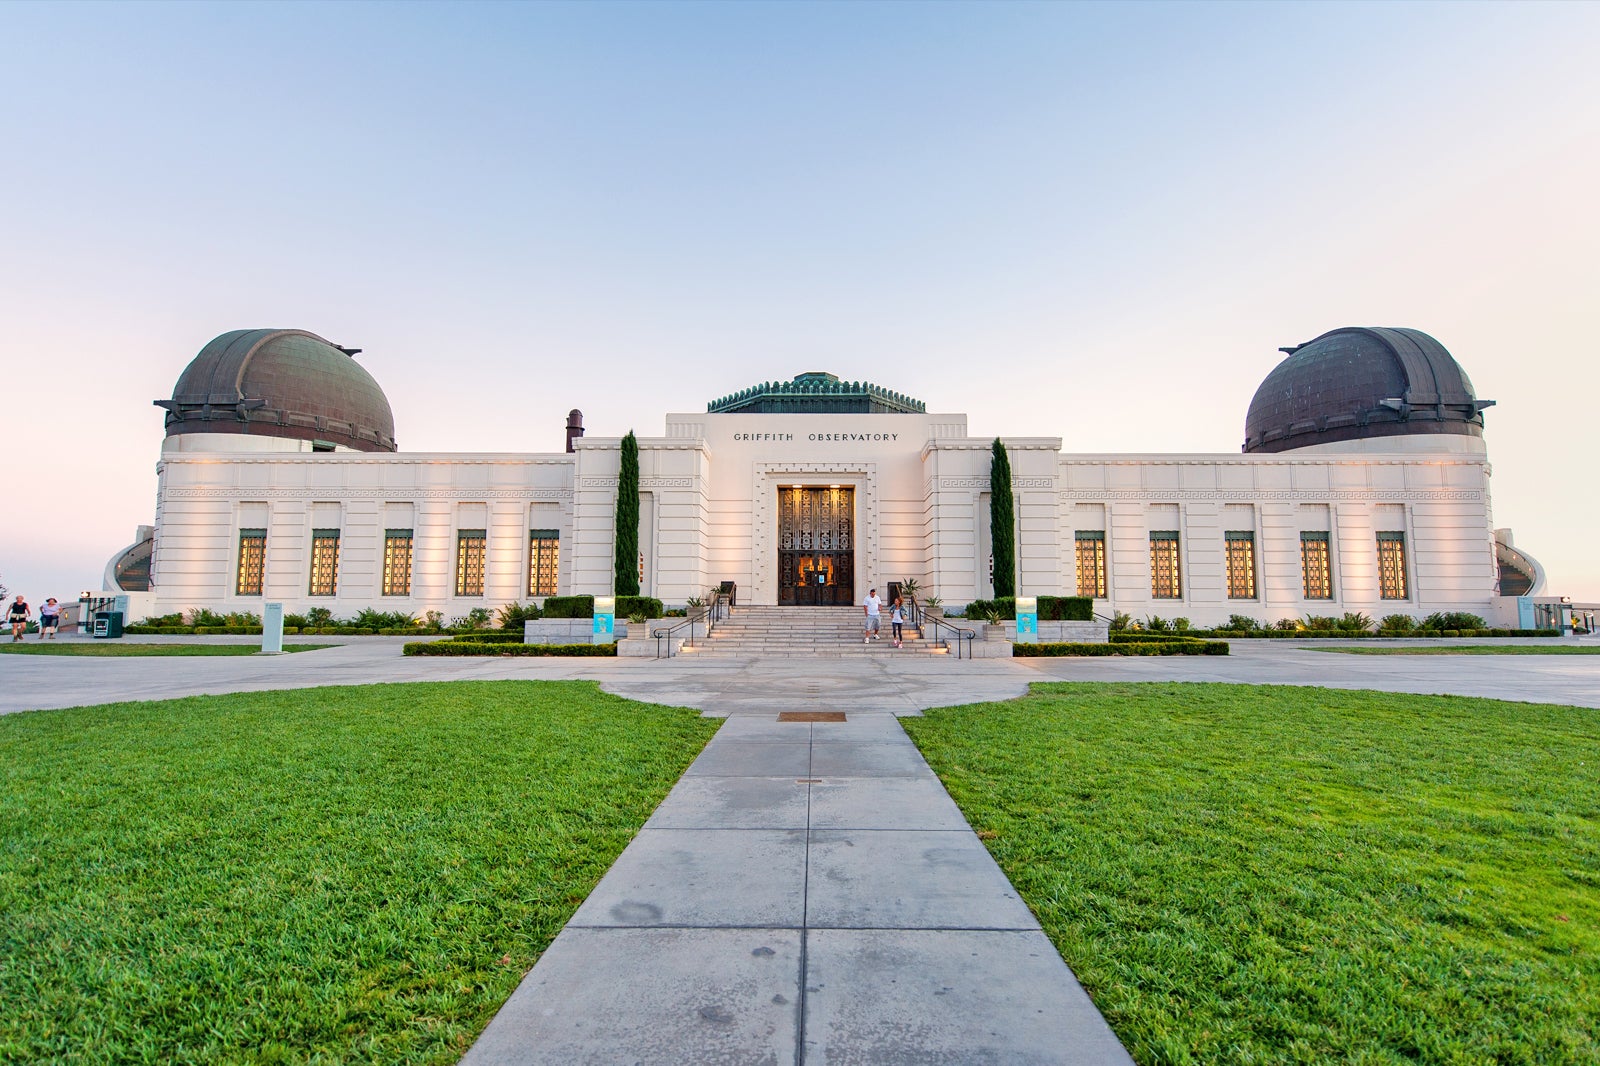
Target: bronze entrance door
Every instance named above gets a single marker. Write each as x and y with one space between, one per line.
816 546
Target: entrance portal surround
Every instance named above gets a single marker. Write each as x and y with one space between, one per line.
768 478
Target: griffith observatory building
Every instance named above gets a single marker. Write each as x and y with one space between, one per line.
1362 485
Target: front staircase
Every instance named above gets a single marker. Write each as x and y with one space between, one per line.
802 633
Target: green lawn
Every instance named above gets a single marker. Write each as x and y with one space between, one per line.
1473 649
1290 875
328 875
119 650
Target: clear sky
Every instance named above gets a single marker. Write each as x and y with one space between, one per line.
1075 220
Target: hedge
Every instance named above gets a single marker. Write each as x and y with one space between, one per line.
649 606
569 607
1153 647
1124 636
479 647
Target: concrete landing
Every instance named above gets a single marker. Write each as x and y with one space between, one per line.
807 894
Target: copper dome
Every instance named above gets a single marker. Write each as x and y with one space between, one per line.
281 383
1358 382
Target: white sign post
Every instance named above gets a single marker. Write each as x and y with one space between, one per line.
272 629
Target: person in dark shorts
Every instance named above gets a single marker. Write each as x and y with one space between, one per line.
49 619
19 618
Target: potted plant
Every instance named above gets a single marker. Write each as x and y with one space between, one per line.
993 629
932 607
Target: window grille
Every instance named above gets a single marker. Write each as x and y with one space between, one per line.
1165 581
544 559
1240 549
1091 552
397 562
324 562
1316 568
252 561
1392 565
470 551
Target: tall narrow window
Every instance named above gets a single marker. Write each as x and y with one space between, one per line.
1165 581
1091 549
324 562
397 562
1316 573
470 544
252 561
1240 549
544 558
1392 565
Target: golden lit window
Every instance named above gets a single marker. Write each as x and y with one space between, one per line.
1165 581
252 561
470 545
1392 565
1316 568
1240 551
1091 553
544 559
397 562
324 562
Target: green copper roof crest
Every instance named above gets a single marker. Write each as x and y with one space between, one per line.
816 392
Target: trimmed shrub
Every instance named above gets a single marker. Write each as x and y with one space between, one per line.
1241 623
1184 646
483 647
629 606
1141 636
1064 609
569 607
490 637
1396 624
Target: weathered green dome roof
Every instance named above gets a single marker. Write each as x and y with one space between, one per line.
281 383
816 393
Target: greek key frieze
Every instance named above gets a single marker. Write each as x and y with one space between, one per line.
958 483
362 493
1297 495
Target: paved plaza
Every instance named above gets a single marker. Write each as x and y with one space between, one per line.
808 893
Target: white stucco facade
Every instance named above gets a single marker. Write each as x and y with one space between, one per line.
709 491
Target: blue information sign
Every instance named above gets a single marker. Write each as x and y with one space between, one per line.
605 620
1027 619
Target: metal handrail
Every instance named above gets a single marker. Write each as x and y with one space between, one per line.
961 635
712 612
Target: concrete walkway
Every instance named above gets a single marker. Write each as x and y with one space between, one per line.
807 894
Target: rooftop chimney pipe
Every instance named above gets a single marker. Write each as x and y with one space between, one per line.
574 427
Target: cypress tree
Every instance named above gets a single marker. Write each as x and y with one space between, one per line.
627 540
1002 523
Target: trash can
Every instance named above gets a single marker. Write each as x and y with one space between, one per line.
108 624
730 589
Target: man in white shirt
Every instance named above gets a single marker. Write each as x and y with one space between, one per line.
871 605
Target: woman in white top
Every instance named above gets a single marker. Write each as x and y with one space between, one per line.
897 619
